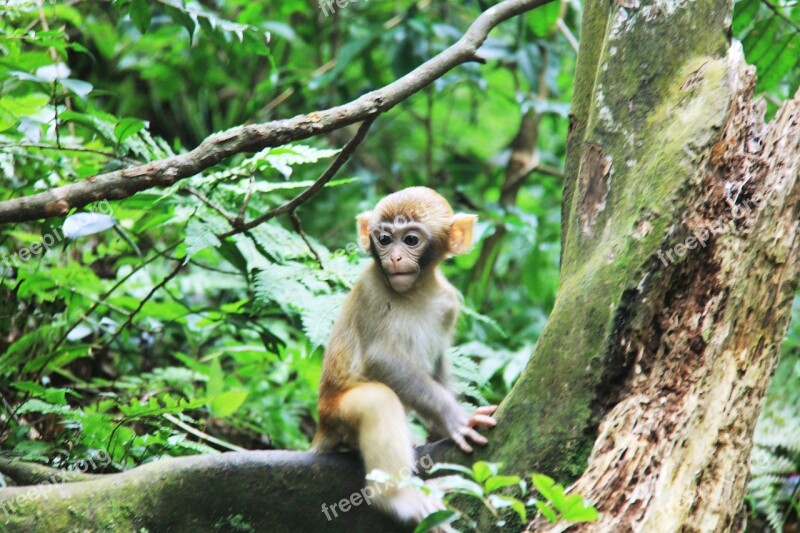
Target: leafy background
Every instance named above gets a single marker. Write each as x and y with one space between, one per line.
145 335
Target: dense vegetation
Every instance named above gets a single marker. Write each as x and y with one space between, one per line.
132 331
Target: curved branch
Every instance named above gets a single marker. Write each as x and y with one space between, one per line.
280 491
303 197
251 138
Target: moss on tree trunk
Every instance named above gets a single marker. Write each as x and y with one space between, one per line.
236 491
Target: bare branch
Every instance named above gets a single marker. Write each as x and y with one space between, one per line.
128 321
251 138
205 436
564 29
243 209
301 198
297 224
210 203
61 148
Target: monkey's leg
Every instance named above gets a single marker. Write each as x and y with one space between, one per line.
384 438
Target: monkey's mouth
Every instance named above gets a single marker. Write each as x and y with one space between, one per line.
402 281
403 274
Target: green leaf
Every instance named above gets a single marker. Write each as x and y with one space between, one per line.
472 313
550 490
56 396
83 224
228 402
482 470
79 87
500 501
760 38
280 28
581 514
29 386
127 127
547 512
576 510
184 19
141 13
318 319
743 14
451 466
769 75
498 482
199 236
460 485
215 378
25 105
38 406
29 344
435 519
543 19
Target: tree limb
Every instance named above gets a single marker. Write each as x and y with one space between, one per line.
235 491
251 138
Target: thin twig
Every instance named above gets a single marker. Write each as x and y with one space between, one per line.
108 293
64 91
298 227
205 436
12 413
60 148
301 198
547 170
144 300
565 31
782 15
278 100
213 205
243 209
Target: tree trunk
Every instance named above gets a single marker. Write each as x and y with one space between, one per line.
679 265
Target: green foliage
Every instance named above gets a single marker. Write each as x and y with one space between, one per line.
132 326
148 334
770 35
502 495
556 505
774 488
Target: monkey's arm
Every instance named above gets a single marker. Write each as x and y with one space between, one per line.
442 373
429 398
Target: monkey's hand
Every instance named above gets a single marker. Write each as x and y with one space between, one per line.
463 428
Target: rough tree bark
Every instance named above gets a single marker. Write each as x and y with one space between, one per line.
679 264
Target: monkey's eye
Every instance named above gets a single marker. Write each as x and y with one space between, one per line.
411 240
385 240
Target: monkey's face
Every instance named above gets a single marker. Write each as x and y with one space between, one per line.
410 232
400 247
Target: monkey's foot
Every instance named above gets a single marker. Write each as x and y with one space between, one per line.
409 504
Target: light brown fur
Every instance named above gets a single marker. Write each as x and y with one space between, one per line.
387 351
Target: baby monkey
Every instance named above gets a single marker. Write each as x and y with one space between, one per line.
387 351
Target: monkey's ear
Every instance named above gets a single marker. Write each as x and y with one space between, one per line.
461 233
363 230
